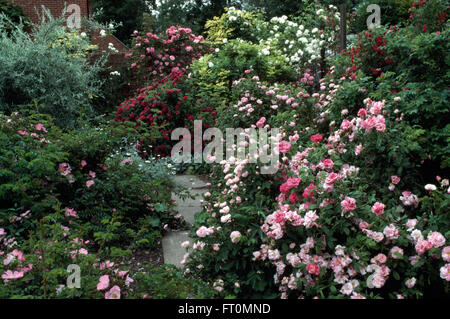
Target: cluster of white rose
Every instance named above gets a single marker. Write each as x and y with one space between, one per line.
301 45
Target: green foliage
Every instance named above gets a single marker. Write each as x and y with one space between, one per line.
129 15
49 66
167 282
393 12
14 14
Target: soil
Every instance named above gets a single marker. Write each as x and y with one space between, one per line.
140 258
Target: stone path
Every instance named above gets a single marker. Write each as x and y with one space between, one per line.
173 252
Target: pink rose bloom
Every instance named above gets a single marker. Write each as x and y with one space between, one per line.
445 272
92 174
379 259
446 253
89 183
12 275
284 147
363 225
316 138
395 179
293 181
391 232
346 125
436 239
409 199
103 282
378 281
261 122
308 192
358 149
410 282
422 246
70 212
284 188
113 293
204 231
332 178
362 113
83 163
293 198
40 127
327 164
235 236
348 204
378 208
313 269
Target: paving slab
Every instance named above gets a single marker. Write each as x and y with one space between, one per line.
188 213
189 181
189 201
172 250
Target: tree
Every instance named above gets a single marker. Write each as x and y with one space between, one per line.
127 12
277 8
192 14
14 13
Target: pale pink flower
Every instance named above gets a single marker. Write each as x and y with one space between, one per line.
446 253
391 232
204 231
113 293
445 272
103 282
410 282
89 183
436 239
235 235
12 275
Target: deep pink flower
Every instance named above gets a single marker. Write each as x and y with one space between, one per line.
348 204
284 147
316 138
313 269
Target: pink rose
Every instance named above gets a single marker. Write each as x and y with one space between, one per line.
113 293
348 204
284 147
103 282
378 208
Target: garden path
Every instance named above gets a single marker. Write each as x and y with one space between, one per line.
171 243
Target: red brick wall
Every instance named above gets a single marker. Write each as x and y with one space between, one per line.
56 7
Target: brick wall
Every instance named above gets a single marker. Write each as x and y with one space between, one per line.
56 7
